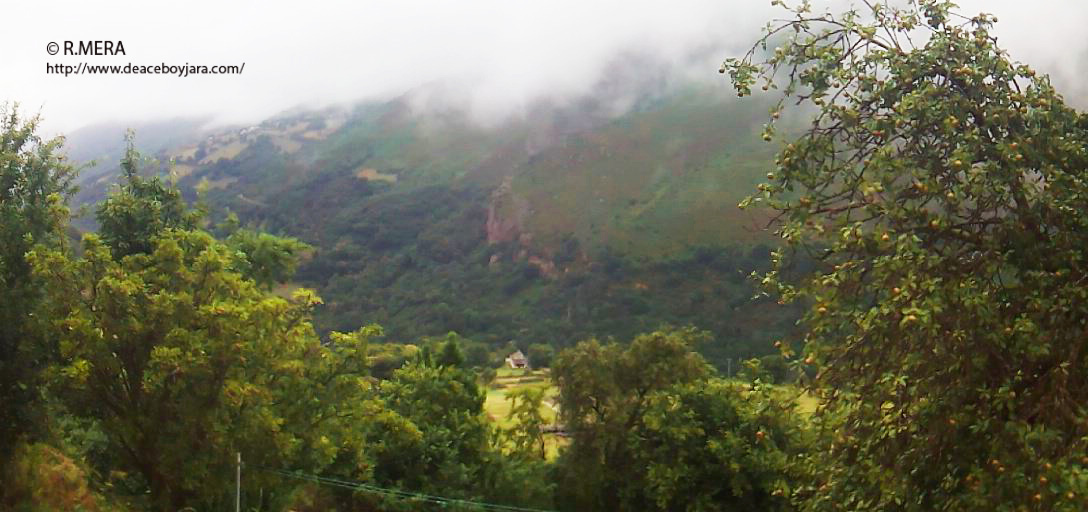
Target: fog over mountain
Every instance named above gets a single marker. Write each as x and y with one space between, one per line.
493 57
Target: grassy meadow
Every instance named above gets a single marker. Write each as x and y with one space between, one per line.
497 403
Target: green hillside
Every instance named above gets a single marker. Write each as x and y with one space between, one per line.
557 226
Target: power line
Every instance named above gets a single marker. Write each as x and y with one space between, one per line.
397 493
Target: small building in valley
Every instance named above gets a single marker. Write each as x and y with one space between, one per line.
517 360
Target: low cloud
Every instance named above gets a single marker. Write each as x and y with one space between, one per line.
494 57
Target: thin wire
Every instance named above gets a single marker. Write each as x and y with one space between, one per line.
395 493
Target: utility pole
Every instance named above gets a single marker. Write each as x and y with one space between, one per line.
238 485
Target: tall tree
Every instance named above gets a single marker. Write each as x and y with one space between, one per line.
942 187
444 408
451 354
527 432
35 181
718 445
184 360
435 438
141 209
603 394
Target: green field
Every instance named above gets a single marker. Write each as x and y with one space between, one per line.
497 404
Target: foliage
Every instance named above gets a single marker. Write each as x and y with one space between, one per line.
385 358
541 355
527 433
414 255
269 259
718 445
451 354
43 479
35 182
183 360
516 480
651 430
413 295
772 368
131 218
603 394
435 439
445 441
941 187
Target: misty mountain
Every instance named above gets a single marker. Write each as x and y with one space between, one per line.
99 147
588 218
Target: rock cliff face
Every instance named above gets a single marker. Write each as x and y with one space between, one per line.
505 214
546 266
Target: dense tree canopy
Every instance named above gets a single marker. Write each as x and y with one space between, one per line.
603 392
141 209
941 185
35 180
651 431
717 445
527 434
450 434
934 226
183 360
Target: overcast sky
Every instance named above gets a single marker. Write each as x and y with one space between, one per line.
498 54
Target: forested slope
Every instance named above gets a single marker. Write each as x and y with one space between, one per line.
565 223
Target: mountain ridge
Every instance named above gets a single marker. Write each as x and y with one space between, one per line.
568 222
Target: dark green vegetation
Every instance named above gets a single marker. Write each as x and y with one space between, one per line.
942 187
934 228
157 351
568 224
167 356
34 185
652 430
162 354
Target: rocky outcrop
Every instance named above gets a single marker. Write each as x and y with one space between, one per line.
505 214
546 267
